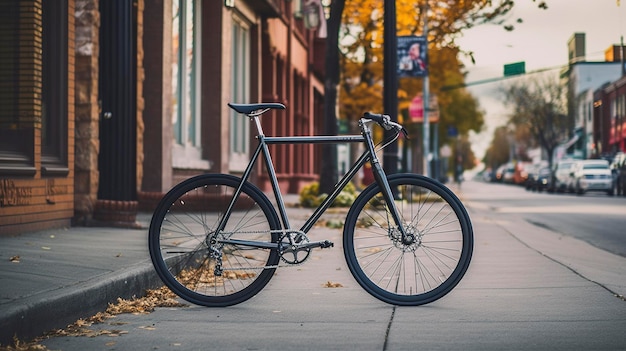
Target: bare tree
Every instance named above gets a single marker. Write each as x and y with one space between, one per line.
498 152
540 105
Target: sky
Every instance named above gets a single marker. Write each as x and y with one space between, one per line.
541 42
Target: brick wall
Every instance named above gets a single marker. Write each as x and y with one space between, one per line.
29 201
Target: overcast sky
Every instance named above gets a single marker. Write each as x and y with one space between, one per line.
541 42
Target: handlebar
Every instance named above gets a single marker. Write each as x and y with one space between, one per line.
385 122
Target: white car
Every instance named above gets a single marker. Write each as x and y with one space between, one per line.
592 175
562 174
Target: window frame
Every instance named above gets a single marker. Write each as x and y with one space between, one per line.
54 93
239 131
16 135
186 114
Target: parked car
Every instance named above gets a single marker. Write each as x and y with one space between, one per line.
489 175
539 179
561 175
508 173
532 174
592 175
520 173
618 170
504 173
531 177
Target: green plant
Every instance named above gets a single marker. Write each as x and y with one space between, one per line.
310 197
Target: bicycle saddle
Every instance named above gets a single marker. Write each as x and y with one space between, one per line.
249 108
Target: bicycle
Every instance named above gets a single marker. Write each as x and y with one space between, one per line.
216 239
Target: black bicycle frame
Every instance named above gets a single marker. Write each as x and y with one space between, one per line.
368 155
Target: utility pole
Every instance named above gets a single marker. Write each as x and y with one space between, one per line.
390 82
426 97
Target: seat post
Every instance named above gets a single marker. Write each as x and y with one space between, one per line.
257 122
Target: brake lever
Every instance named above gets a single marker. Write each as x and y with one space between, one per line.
406 133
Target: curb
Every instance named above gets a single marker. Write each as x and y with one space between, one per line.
37 315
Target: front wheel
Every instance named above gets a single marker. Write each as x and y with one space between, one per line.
190 254
408 272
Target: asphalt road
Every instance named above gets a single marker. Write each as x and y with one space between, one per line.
594 217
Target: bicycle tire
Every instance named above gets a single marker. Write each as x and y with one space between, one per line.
183 224
408 274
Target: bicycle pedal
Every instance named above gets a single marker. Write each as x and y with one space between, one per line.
326 244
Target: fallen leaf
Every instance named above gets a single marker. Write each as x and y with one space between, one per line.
374 250
330 284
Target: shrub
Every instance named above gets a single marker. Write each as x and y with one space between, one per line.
310 196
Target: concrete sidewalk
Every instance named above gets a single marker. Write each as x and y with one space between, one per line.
51 278
524 282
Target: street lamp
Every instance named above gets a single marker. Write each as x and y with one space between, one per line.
311 13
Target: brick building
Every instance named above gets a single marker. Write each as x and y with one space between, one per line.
111 103
609 118
37 66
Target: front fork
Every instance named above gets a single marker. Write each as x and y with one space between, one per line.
388 194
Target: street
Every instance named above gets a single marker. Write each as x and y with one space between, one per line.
594 217
528 288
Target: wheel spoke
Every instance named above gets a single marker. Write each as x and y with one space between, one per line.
186 250
411 272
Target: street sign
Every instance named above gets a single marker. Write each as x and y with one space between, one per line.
416 109
513 69
452 132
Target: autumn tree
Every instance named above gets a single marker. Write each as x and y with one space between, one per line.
358 26
362 57
539 105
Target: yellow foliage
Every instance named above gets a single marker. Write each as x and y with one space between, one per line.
361 85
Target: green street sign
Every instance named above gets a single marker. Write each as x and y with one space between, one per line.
513 69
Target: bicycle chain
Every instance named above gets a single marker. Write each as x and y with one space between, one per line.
277 231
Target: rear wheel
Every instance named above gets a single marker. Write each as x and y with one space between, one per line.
185 245
408 272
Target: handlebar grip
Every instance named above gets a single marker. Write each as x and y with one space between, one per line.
382 120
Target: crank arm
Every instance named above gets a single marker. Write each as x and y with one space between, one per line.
321 244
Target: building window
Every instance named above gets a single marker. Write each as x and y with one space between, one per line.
16 118
186 29
240 78
54 88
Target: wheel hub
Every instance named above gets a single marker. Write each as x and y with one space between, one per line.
409 242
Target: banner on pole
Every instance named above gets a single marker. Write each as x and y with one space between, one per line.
416 109
412 60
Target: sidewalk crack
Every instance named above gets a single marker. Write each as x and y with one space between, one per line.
393 313
614 293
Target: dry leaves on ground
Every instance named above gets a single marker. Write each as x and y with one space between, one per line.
162 297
